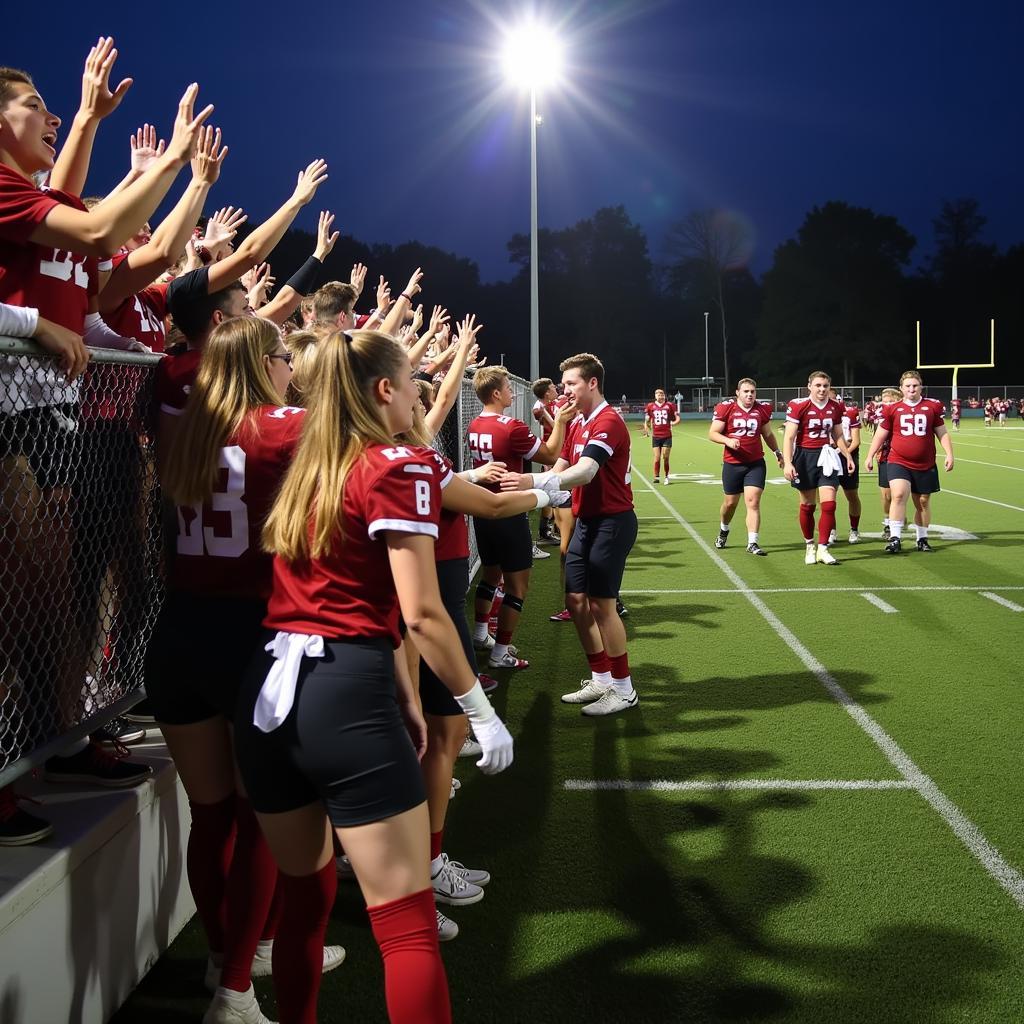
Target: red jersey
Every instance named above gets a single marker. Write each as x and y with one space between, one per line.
494 438
814 422
219 549
851 417
452 530
956 404
351 592
912 432
661 415
141 316
869 411
175 376
744 424
539 409
610 491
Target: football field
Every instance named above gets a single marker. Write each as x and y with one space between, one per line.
814 815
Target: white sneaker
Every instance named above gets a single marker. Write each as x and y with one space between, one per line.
229 1007
447 929
262 962
539 553
854 537
451 888
824 556
666 481
473 875
809 555
832 537
456 786
588 691
470 748
610 702
483 645
507 660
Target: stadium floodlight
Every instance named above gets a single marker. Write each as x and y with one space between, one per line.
957 367
532 59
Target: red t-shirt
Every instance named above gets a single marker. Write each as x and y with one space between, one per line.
452 530
175 376
494 438
956 404
912 432
744 424
351 592
219 550
814 422
141 316
539 409
610 491
661 415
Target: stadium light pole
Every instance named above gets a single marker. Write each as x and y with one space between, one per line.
533 60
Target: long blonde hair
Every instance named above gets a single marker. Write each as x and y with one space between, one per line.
418 433
232 381
342 418
302 345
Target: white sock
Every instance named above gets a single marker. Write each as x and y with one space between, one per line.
885 522
604 678
895 528
751 537
922 532
265 948
75 748
435 865
498 651
480 630
724 527
623 687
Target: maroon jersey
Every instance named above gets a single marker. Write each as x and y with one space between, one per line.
661 415
539 409
912 432
814 422
452 530
351 592
610 491
219 549
175 376
869 412
851 414
141 316
745 425
494 438
956 408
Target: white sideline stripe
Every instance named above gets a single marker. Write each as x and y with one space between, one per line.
994 465
672 518
880 604
730 785
1011 880
810 590
988 501
1002 600
988 447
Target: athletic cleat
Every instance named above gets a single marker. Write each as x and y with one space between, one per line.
471 875
832 538
721 539
447 929
547 539
95 765
923 545
610 702
470 748
754 548
119 731
508 660
894 547
885 531
230 1007
334 956
483 645
824 556
854 537
487 683
589 690
562 616
657 480
809 558
538 554
666 481
18 827
451 888
621 609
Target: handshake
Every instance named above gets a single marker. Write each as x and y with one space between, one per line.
548 484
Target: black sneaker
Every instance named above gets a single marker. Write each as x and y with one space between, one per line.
95 765
118 732
885 531
923 545
621 609
141 712
723 536
755 549
18 827
894 547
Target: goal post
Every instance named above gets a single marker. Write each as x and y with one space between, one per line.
957 367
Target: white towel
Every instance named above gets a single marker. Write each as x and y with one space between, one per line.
830 461
277 694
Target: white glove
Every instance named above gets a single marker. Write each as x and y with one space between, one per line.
561 499
489 730
552 484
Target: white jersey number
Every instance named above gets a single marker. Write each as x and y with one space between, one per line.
194 538
912 424
820 429
63 266
481 447
743 427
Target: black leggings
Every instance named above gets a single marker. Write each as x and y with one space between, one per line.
453 579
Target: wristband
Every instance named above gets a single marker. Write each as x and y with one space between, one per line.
474 477
540 479
405 295
306 278
543 498
476 705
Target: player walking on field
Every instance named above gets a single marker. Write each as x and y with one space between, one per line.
850 482
810 463
659 418
911 425
739 425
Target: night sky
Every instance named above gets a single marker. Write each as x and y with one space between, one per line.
764 109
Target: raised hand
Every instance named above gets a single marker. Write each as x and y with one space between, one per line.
468 330
438 318
383 295
357 278
186 126
325 241
221 228
258 284
145 148
97 99
309 181
414 284
417 319
209 156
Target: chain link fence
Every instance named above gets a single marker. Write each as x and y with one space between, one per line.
81 574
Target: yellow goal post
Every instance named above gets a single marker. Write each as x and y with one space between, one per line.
957 367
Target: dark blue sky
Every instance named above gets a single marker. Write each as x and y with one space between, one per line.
765 109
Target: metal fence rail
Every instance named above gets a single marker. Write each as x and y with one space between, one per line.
80 546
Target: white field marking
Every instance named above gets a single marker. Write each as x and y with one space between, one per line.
809 590
1001 600
993 465
1008 877
657 517
988 501
881 605
731 785
989 448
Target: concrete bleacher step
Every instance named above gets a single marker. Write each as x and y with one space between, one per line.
87 912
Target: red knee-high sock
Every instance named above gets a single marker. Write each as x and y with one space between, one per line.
436 844
807 521
210 843
273 914
599 662
250 891
299 946
415 985
827 522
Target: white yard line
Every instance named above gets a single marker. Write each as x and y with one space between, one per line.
988 501
988 447
994 465
1002 600
1008 877
880 604
810 590
731 785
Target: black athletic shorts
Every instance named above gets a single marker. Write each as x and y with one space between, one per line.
505 542
597 554
453 578
848 481
922 481
883 475
661 442
49 438
344 741
198 654
809 476
737 476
